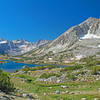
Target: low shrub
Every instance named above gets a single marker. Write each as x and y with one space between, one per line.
95 70
25 68
5 84
71 77
45 75
80 72
71 68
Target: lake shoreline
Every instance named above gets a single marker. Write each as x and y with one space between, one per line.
12 66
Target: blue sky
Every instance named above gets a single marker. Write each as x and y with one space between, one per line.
43 19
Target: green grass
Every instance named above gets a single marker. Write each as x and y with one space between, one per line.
71 68
39 68
88 90
45 75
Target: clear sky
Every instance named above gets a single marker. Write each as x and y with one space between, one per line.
43 19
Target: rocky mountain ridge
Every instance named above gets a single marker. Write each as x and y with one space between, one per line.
88 29
17 47
79 41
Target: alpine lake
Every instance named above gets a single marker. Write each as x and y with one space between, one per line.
11 66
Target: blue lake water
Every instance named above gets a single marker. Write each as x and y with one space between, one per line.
12 66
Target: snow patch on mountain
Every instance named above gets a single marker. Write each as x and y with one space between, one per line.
89 36
3 42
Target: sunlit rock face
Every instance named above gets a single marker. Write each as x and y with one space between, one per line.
89 29
79 41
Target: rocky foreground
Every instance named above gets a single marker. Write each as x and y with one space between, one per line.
12 96
79 81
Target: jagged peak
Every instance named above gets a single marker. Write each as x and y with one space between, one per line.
92 19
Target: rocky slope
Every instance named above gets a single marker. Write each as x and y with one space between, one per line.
17 47
79 41
51 82
42 43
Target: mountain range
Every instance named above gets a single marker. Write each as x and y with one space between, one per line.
77 42
17 47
